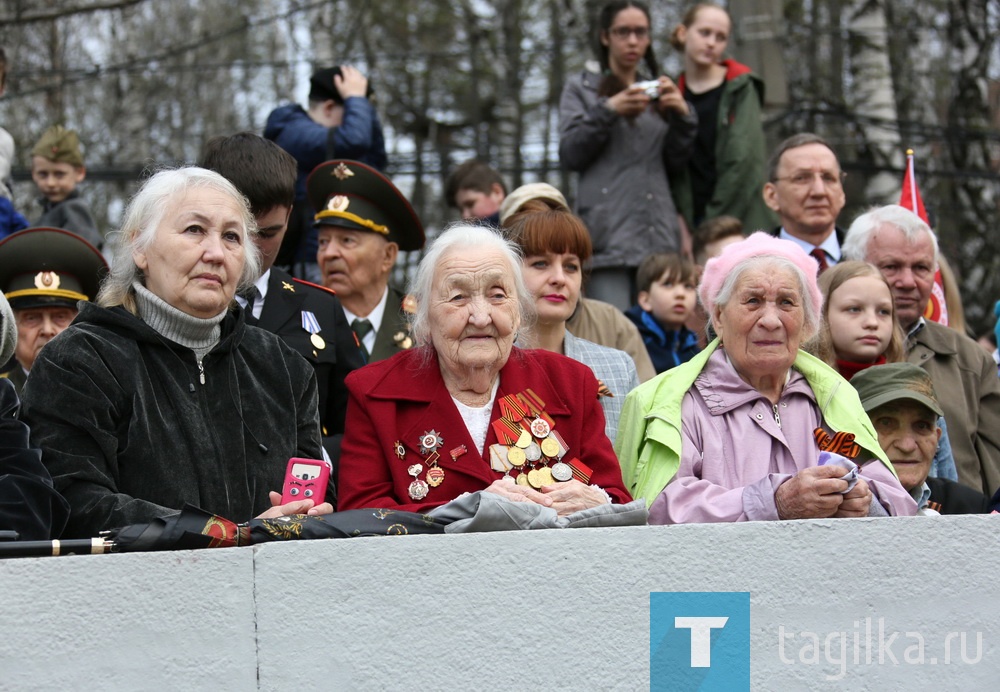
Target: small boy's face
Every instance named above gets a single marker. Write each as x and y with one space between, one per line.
670 300
55 180
272 224
476 204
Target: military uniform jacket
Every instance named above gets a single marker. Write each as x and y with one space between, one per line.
286 300
401 399
393 334
129 431
967 387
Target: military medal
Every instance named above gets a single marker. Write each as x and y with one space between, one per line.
515 455
523 440
522 479
457 452
400 451
430 442
550 447
540 428
561 471
311 325
545 477
535 479
418 488
532 452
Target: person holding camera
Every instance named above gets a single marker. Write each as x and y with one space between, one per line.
622 130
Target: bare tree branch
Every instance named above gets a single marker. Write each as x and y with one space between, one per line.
48 15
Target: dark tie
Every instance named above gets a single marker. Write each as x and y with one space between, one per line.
250 296
820 257
361 327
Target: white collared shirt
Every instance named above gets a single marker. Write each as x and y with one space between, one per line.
375 317
261 286
830 246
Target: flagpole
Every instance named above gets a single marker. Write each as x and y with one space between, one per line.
913 180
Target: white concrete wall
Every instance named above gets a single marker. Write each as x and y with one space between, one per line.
536 610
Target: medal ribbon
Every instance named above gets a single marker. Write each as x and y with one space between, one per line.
841 443
309 322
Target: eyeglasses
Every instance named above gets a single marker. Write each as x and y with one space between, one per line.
806 178
623 32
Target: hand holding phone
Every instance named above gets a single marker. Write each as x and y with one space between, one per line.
305 479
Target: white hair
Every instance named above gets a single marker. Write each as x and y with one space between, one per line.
468 239
142 217
859 235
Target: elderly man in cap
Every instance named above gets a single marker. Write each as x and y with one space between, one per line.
900 400
805 188
29 504
363 222
44 272
340 123
905 250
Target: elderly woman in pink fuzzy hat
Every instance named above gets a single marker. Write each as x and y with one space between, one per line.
753 428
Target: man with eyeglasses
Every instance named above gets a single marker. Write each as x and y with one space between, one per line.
905 250
805 188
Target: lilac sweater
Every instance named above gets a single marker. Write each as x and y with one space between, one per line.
734 453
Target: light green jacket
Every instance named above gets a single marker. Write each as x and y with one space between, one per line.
649 431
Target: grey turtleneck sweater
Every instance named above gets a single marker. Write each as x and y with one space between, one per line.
200 335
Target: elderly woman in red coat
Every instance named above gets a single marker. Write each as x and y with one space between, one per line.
467 410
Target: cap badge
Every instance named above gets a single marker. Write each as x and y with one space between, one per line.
338 203
46 280
342 171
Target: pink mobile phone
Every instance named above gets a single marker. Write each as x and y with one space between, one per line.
305 479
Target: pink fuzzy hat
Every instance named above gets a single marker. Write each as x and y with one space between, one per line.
759 244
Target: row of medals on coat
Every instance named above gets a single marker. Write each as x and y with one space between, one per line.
530 450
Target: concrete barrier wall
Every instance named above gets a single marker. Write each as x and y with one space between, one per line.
553 610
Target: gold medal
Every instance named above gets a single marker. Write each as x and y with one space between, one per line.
545 477
524 440
515 455
317 341
550 447
534 479
522 479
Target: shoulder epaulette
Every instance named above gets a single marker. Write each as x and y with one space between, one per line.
310 284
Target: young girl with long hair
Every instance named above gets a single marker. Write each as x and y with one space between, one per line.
726 171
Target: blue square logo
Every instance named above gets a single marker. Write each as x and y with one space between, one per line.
699 641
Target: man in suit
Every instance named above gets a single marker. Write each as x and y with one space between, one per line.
307 317
806 188
905 250
44 273
363 222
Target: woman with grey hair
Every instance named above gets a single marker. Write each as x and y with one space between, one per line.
466 410
166 396
753 428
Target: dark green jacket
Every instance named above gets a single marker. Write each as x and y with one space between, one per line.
740 156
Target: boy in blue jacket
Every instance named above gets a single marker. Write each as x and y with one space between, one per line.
667 286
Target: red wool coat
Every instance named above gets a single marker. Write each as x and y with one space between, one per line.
400 399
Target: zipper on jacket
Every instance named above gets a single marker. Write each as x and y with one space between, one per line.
201 376
777 418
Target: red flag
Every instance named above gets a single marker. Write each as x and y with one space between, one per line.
937 309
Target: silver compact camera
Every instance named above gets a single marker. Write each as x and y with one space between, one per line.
651 88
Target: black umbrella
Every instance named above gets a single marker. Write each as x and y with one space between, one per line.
195 528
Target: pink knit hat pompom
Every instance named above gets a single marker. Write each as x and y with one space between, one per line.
760 244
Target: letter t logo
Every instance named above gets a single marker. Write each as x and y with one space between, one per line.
701 637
